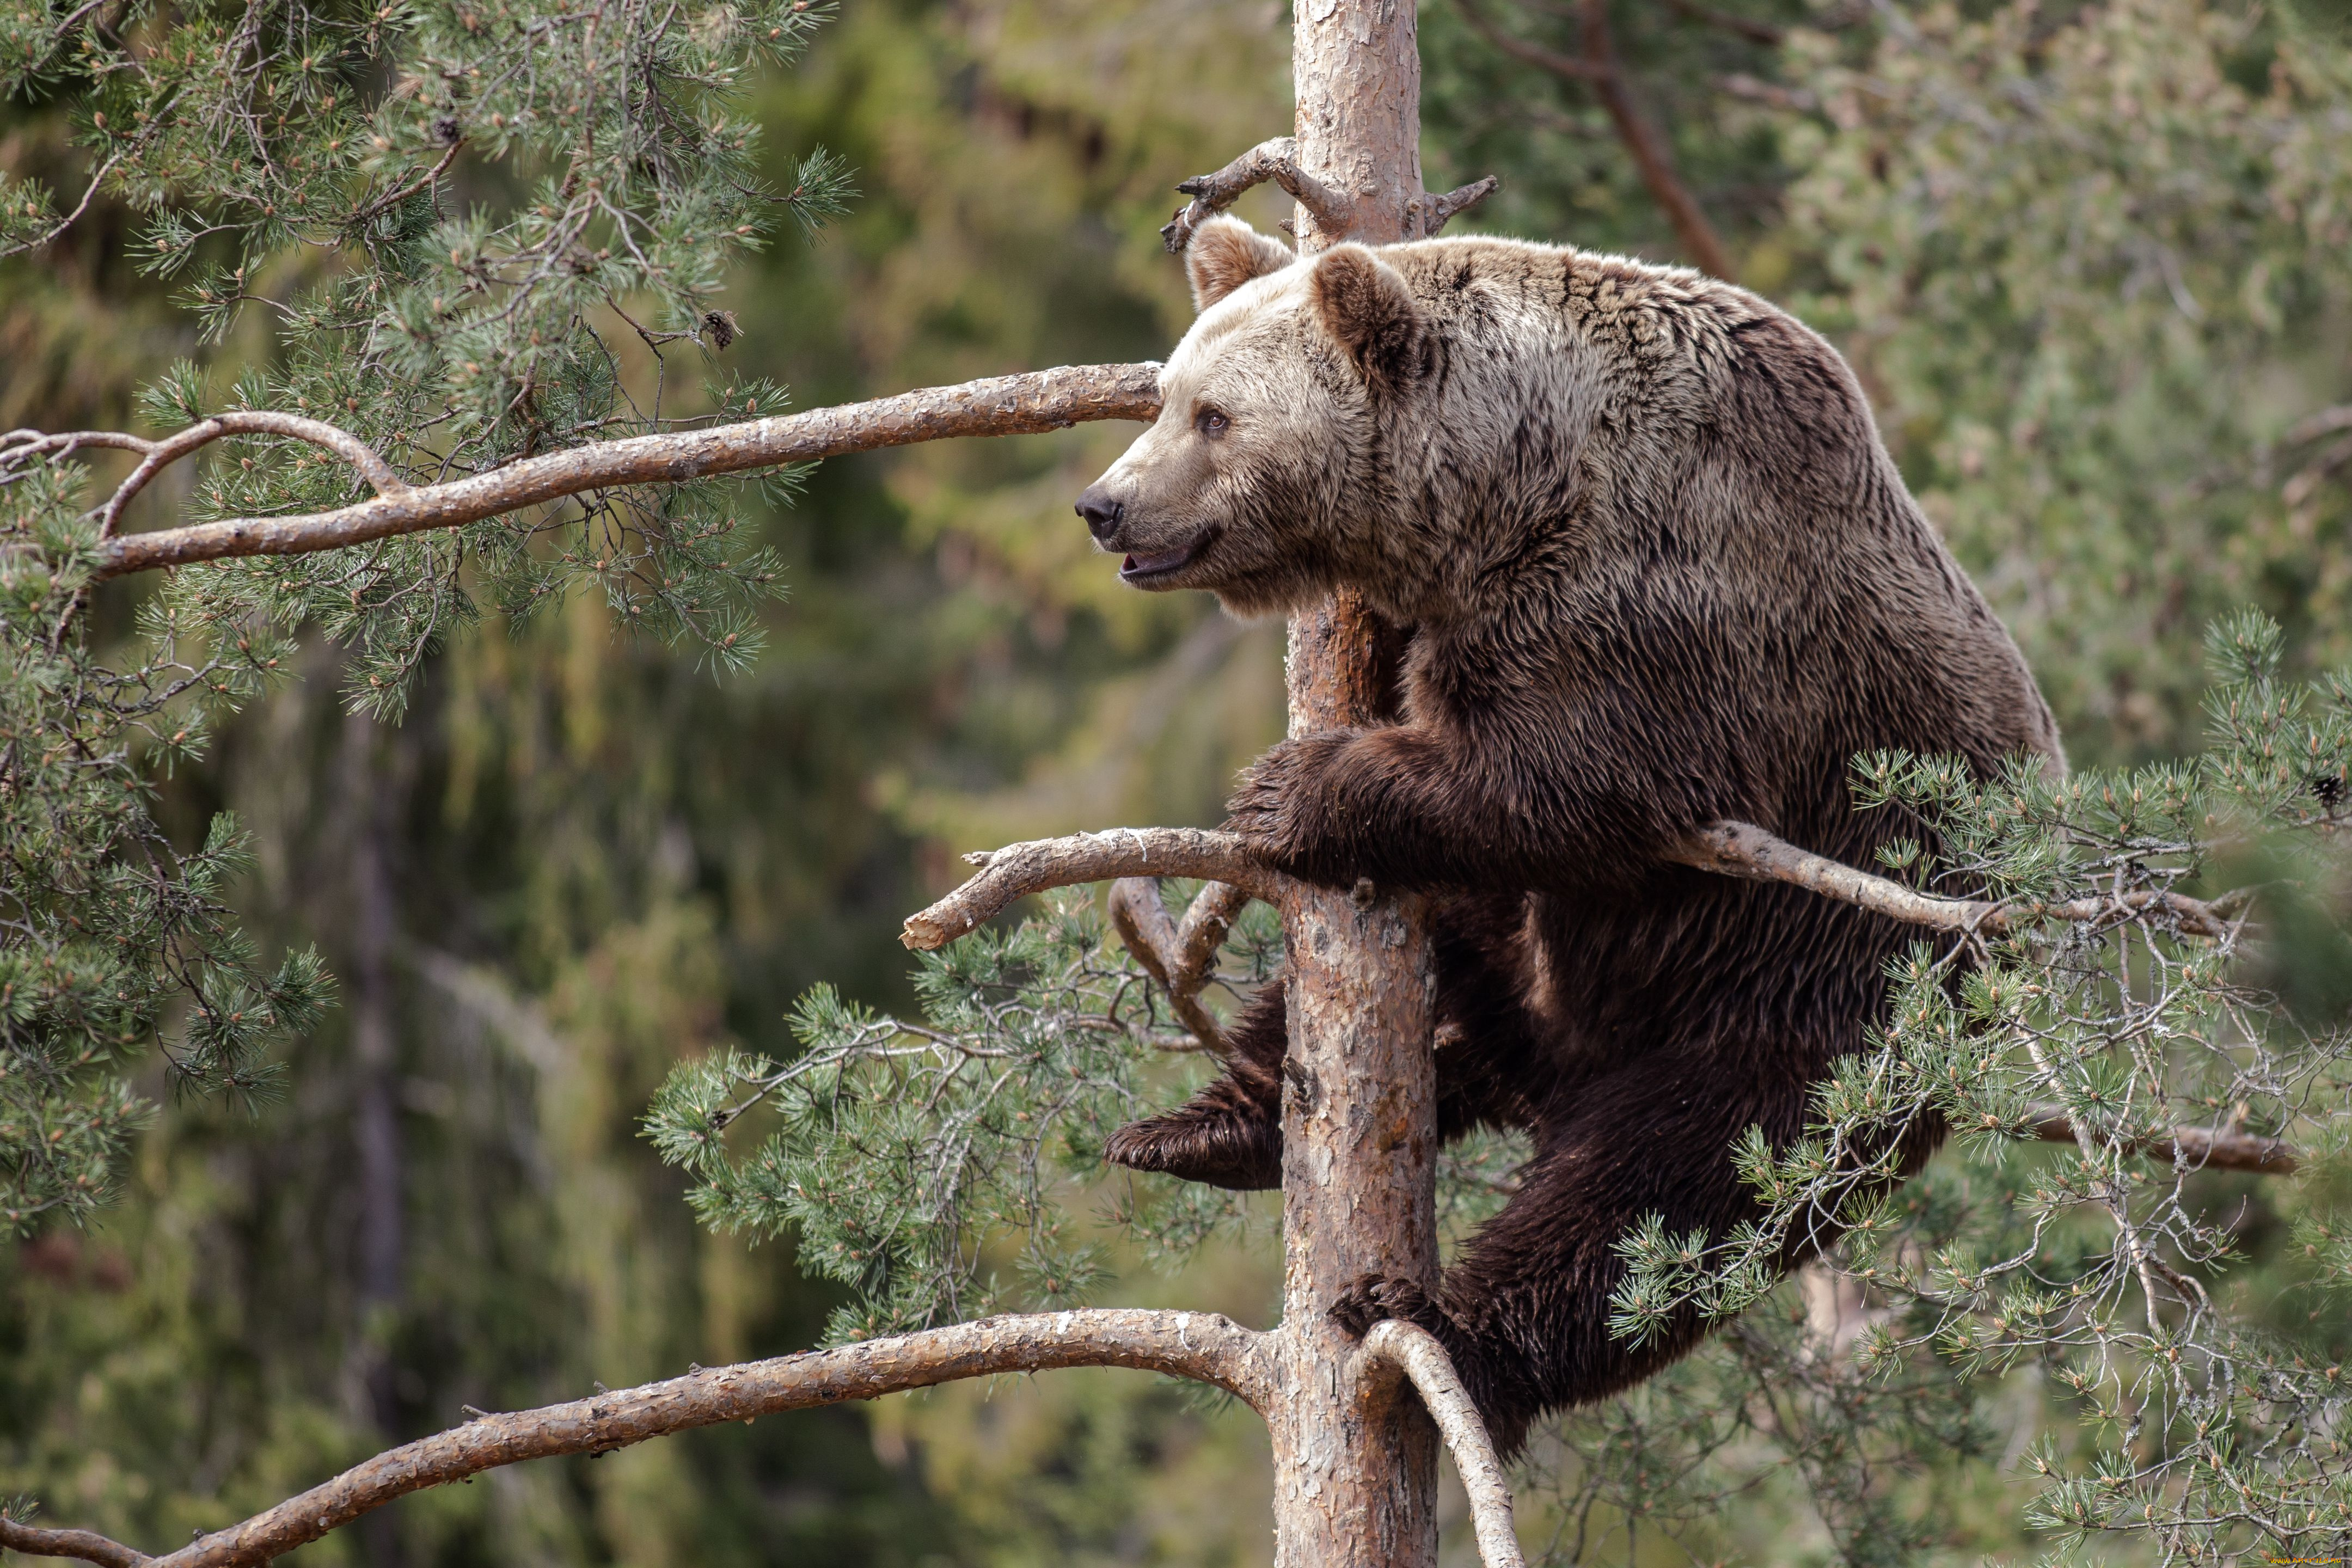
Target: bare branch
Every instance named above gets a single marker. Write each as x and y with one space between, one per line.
1763 33
1021 870
86 1545
1435 211
1275 159
1000 405
1740 849
2193 1147
1179 957
1416 1351
1202 1346
1599 67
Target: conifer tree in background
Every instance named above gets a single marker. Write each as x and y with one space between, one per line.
2161 945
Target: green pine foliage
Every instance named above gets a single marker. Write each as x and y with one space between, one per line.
933 1165
288 161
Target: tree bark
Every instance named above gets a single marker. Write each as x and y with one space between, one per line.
1355 1462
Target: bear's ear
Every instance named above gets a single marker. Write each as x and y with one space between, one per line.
1226 253
1365 306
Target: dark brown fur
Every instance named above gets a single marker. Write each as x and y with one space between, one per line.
1660 570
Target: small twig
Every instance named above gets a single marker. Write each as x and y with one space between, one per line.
1275 159
1019 870
1202 1346
1416 1353
1756 32
368 213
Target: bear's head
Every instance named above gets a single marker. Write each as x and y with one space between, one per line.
1257 481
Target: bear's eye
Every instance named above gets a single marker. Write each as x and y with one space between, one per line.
1210 422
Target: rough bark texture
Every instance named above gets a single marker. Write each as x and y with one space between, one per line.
1354 1464
1416 1353
1022 870
1001 405
1198 1345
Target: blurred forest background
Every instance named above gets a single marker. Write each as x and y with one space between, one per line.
2091 261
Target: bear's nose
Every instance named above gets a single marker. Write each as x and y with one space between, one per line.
1101 513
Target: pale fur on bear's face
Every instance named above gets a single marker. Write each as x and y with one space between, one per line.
1242 485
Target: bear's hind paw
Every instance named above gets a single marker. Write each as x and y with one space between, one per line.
1222 1150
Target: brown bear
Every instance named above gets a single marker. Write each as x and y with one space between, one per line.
1656 569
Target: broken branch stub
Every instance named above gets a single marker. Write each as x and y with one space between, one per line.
1275 161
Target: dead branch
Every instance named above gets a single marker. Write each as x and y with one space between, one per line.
1178 955
2194 1148
1275 159
1000 405
1202 1346
1416 1353
1755 32
1741 850
1599 67
86 1545
1021 870
1435 211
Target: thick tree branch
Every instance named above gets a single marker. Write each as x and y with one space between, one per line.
1180 956
1024 868
1416 1353
1001 405
2194 1147
1202 1346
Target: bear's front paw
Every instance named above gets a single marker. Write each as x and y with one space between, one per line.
1284 811
1376 1297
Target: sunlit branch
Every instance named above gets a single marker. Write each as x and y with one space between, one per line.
1739 849
1275 161
1000 405
1202 1346
1021 870
1416 1353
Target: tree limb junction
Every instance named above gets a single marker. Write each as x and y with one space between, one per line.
1202 1346
1028 404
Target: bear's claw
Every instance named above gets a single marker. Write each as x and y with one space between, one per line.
1376 1297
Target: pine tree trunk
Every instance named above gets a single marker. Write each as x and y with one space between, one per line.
1356 1465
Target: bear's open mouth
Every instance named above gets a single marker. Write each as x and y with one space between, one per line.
1141 568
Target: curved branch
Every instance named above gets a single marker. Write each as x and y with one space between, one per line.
1416 1353
1741 850
1178 955
1202 1346
1275 160
1000 405
1437 211
86 1545
1021 870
